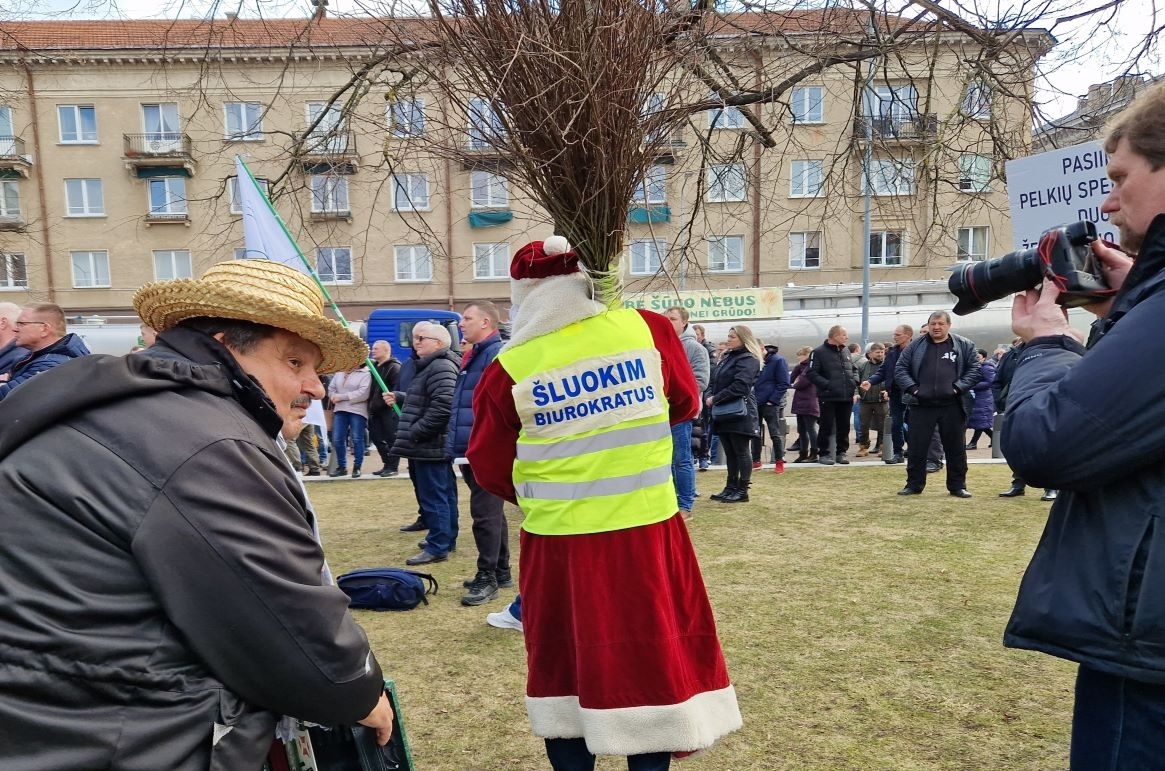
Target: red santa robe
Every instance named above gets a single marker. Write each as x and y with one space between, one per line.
620 639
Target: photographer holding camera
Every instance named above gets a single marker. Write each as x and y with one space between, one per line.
1094 592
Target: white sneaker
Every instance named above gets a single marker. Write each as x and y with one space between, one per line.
503 619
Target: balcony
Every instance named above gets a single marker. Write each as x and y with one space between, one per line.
331 215
144 151
167 218
330 149
12 155
912 128
12 222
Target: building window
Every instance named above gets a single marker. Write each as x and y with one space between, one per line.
244 121
233 191
974 173
651 106
491 261
653 188
90 269
806 179
977 100
167 198
725 182
330 134
413 263
808 104
406 118
10 199
892 104
334 264
172 263
488 191
725 117
886 248
890 176
805 250
8 146
485 125
329 194
647 257
161 127
410 192
972 244
13 271
725 254
78 123
83 198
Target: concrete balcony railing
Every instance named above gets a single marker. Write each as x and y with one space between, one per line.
13 156
909 128
158 149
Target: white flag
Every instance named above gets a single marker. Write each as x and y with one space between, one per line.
264 236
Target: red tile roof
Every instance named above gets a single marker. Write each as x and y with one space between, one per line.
157 36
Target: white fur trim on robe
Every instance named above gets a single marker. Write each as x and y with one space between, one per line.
687 727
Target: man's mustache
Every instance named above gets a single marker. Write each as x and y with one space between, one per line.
302 401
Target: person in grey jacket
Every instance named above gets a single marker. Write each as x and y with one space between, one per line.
683 466
936 373
165 601
1088 423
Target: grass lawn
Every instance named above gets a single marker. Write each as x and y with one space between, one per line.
862 629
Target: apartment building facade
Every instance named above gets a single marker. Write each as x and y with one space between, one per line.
118 143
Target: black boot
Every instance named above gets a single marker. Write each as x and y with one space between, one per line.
739 495
1012 492
720 495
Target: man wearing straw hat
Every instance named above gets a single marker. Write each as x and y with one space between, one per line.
166 597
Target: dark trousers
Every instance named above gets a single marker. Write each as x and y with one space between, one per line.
382 428
437 491
491 532
897 418
833 427
807 435
951 425
873 416
738 456
573 755
773 418
1118 724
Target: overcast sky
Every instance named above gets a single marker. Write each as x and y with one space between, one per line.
1105 50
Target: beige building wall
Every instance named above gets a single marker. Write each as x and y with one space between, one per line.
117 84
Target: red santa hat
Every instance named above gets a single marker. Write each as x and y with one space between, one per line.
543 259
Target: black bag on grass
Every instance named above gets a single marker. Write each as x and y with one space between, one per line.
386 588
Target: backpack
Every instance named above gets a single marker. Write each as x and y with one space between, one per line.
386 588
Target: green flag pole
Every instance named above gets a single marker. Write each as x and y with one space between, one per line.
312 272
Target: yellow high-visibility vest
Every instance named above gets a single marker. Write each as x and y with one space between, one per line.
594 452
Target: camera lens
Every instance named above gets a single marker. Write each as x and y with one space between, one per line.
978 283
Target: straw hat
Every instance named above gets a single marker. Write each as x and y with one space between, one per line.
261 291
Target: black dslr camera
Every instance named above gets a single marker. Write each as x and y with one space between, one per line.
1064 254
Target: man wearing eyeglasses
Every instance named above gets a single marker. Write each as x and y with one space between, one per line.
420 437
40 330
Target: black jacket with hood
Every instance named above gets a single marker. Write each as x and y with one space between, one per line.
163 600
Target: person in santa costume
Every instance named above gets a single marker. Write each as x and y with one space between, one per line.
572 422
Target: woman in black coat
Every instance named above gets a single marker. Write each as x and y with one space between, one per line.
733 380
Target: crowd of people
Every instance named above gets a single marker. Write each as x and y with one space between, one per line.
593 422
